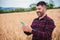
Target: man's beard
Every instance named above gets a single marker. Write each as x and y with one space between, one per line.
40 14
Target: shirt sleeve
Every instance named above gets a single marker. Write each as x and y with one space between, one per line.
47 31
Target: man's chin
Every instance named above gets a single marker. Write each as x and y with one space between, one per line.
39 16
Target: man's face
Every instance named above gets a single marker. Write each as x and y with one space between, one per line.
40 10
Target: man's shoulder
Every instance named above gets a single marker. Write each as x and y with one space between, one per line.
36 19
49 20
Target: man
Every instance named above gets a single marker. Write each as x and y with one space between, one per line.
42 26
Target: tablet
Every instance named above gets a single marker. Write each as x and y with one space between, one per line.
23 23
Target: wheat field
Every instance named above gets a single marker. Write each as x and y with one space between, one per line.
11 28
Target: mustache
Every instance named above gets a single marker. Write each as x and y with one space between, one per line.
38 12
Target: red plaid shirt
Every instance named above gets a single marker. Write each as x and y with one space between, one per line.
42 29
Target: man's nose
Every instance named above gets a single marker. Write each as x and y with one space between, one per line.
38 10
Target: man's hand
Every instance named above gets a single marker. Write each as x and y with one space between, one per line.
27 29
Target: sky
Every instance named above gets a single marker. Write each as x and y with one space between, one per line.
23 3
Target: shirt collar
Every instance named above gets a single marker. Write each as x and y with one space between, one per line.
42 16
